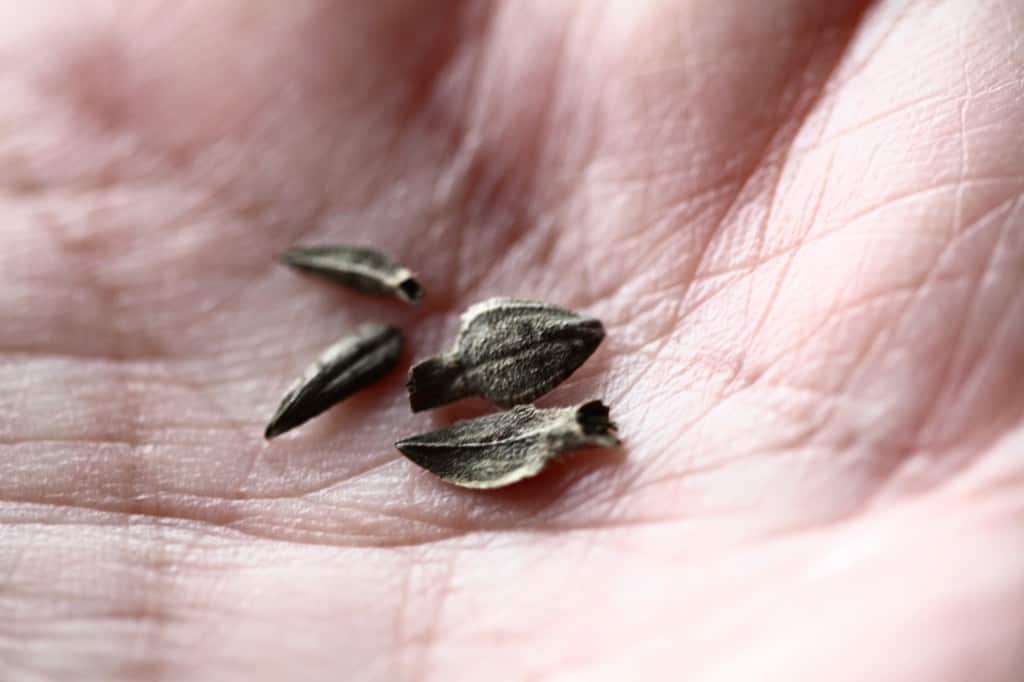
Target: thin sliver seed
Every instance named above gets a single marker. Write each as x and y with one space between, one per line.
503 448
352 363
508 351
364 269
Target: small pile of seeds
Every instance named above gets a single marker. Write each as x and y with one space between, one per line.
508 351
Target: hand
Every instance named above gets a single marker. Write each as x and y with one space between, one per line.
801 222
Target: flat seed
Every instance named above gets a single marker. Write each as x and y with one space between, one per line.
360 268
352 363
508 351
503 448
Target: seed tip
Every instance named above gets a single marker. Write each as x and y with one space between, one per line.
409 290
593 416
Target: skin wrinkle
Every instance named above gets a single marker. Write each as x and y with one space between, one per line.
202 551
432 631
965 104
402 615
1006 318
746 270
139 627
843 77
633 486
1010 419
722 398
744 182
630 485
957 345
236 524
108 304
889 467
900 12
135 478
774 297
141 347
936 263
847 308
763 260
489 196
882 333
557 83
831 519
240 288
782 139
464 171
925 193
674 215
131 444
444 50
904 108
933 270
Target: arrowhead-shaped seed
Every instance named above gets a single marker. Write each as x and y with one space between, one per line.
508 351
366 270
503 448
352 363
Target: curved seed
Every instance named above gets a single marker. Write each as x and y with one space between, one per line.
360 268
350 364
508 351
501 449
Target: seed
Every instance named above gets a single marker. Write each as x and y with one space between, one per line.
352 363
503 448
508 351
363 269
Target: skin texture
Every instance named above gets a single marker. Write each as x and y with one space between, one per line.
801 223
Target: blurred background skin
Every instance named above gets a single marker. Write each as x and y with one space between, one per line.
801 221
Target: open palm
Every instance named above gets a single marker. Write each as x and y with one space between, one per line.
801 223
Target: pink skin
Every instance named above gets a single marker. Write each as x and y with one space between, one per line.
801 221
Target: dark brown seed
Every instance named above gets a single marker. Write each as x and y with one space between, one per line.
352 363
508 351
503 448
366 270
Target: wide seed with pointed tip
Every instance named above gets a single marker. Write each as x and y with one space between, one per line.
508 351
501 449
352 363
364 269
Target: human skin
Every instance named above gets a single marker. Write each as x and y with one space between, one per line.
800 221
